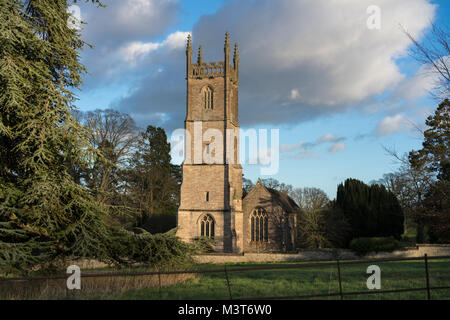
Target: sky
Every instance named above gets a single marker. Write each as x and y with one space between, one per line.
338 91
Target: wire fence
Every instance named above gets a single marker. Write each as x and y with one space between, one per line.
156 278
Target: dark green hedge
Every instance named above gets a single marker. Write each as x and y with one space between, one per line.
362 246
371 211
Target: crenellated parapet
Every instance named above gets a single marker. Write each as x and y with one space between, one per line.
212 70
202 70
208 70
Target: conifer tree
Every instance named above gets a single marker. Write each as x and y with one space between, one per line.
44 213
153 181
434 209
371 211
435 150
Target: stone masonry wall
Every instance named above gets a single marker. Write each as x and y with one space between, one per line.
324 254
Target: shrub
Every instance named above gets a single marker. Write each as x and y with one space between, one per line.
363 246
204 245
163 250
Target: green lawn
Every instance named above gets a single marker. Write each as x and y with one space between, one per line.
248 284
305 281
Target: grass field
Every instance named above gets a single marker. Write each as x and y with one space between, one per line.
305 281
267 283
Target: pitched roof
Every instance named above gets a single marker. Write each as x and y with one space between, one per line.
286 202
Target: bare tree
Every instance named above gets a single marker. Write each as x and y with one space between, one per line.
247 186
313 203
297 195
313 229
277 185
271 183
114 134
434 53
118 129
310 199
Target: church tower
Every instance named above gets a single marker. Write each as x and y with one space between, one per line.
211 191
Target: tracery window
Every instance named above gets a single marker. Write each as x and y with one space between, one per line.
208 96
259 225
207 226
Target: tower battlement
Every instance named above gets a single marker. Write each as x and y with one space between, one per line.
208 70
202 70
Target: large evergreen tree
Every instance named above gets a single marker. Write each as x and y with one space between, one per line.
44 213
434 209
435 152
371 211
153 182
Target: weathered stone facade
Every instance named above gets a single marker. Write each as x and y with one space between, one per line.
211 202
281 217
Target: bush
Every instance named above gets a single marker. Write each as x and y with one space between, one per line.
163 250
363 246
204 245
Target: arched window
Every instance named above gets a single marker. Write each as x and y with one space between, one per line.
207 226
208 96
259 225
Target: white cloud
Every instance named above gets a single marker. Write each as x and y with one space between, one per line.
416 86
137 10
337 147
123 31
318 58
127 20
291 147
307 146
135 51
305 154
176 40
328 138
342 62
390 125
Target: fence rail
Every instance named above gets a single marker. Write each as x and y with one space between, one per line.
226 271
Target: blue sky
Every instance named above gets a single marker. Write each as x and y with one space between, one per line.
308 68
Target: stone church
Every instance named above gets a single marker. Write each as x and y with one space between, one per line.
212 203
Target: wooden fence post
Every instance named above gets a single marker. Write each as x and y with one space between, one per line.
340 280
159 284
427 274
228 283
